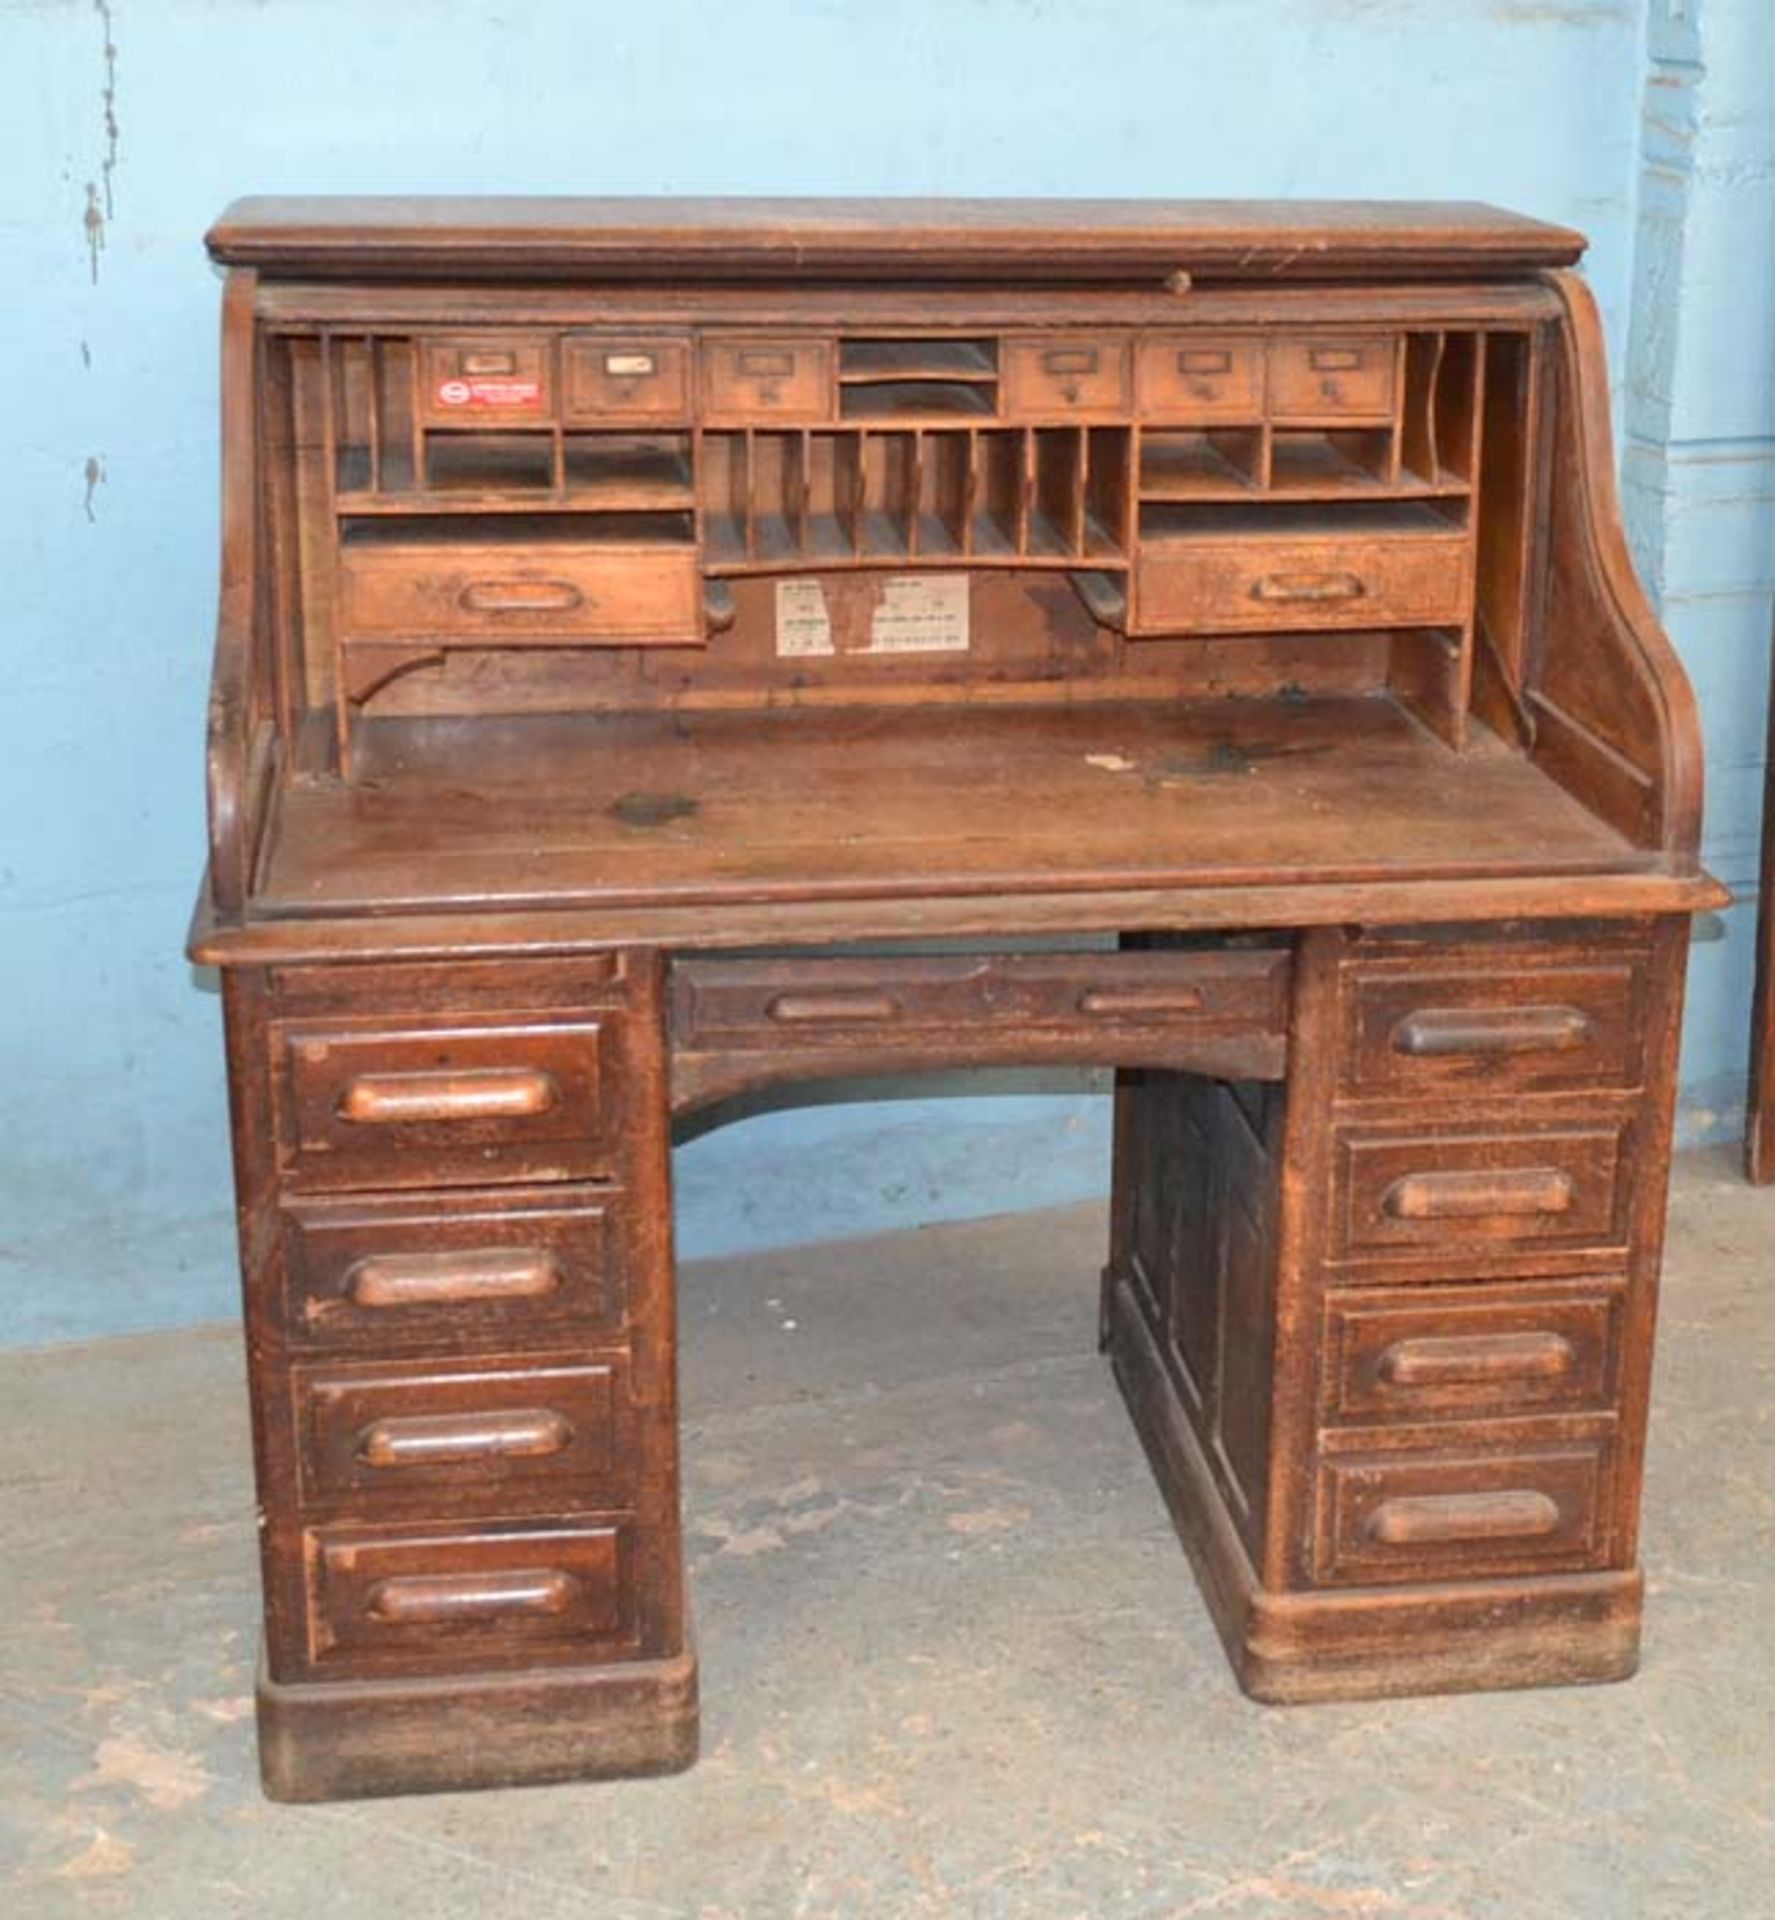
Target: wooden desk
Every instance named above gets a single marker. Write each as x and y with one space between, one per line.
645 623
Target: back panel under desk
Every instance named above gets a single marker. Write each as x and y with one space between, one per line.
673 649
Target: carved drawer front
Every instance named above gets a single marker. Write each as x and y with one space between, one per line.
445 1105
1062 374
442 1598
1442 1516
396 586
1278 583
426 1432
485 380
761 378
1495 1194
1478 1026
1190 379
1499 1351
1333 377
439 1266
620 380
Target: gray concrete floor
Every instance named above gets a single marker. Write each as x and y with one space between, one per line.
953 1662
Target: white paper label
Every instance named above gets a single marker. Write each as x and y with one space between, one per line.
804 626
921 613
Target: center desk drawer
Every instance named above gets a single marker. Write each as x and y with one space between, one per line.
534 590
451 1104
420 1431
1207 581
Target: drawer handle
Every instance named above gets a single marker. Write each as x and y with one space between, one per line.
1061 360
488 362
1334 359
520 596
630 365
1438 1032
756 364
450 1439
403 1099
385 1280
432 1599
1111 1003
1202 360
811 1009
1308 586
1444 1519
1476 1359
1533 1192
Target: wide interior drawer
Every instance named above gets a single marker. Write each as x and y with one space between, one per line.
616 379
1189 379
1333 376
1415 1516
765 378
1060 375
424 1432
430 1597
1205 582
441 1267
1497 1193
450 1103
483 591
1478 1352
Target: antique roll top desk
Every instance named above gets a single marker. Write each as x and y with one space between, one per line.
668 647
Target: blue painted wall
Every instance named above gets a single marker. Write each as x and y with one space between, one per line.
124 126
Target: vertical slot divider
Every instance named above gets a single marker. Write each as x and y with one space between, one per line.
1463 687
329 386
1266 450
915 494
970 493
1401 398
558 449
847 490
416 417
745 496
1025 489
373 418
1078 471
277 423
698 480
801 519
1431 439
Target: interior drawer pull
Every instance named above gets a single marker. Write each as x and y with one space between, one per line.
631 364
1134 1002
758 364
429 1599
1204 360
1437 1032
1441 1519
1308 586
401 1099
1532 1191
1475 1359
489 361
1070 360
1334 359
452 1279
520 596
813 1008
447 1439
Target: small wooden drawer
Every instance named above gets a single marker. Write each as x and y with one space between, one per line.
439 1598
612 380
1463 1514
1063 374
767 379
440 1267
1483 1192
1187 379
1495 1352
1479 1022
443 1105
418 1431
1260 583
484 592
1333 377
485 380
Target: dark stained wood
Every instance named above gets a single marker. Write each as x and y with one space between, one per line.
645 623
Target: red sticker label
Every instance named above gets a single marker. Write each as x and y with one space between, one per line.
484 394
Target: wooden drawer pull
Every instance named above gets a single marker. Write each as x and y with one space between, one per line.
1334 359
452 1279
1437 1032
757 364
1111 1003
489 361
401 1099
813 1008
1475 1359
1204 360
434 1599
1308 586
1532 1191
444 1439
520 596
631 365
1061 360
1440 1519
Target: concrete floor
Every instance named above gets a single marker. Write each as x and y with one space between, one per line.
953 1662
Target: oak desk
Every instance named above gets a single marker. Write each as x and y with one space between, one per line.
650 628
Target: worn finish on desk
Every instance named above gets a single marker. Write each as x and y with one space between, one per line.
643 624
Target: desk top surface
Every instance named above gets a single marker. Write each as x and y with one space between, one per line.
553 236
